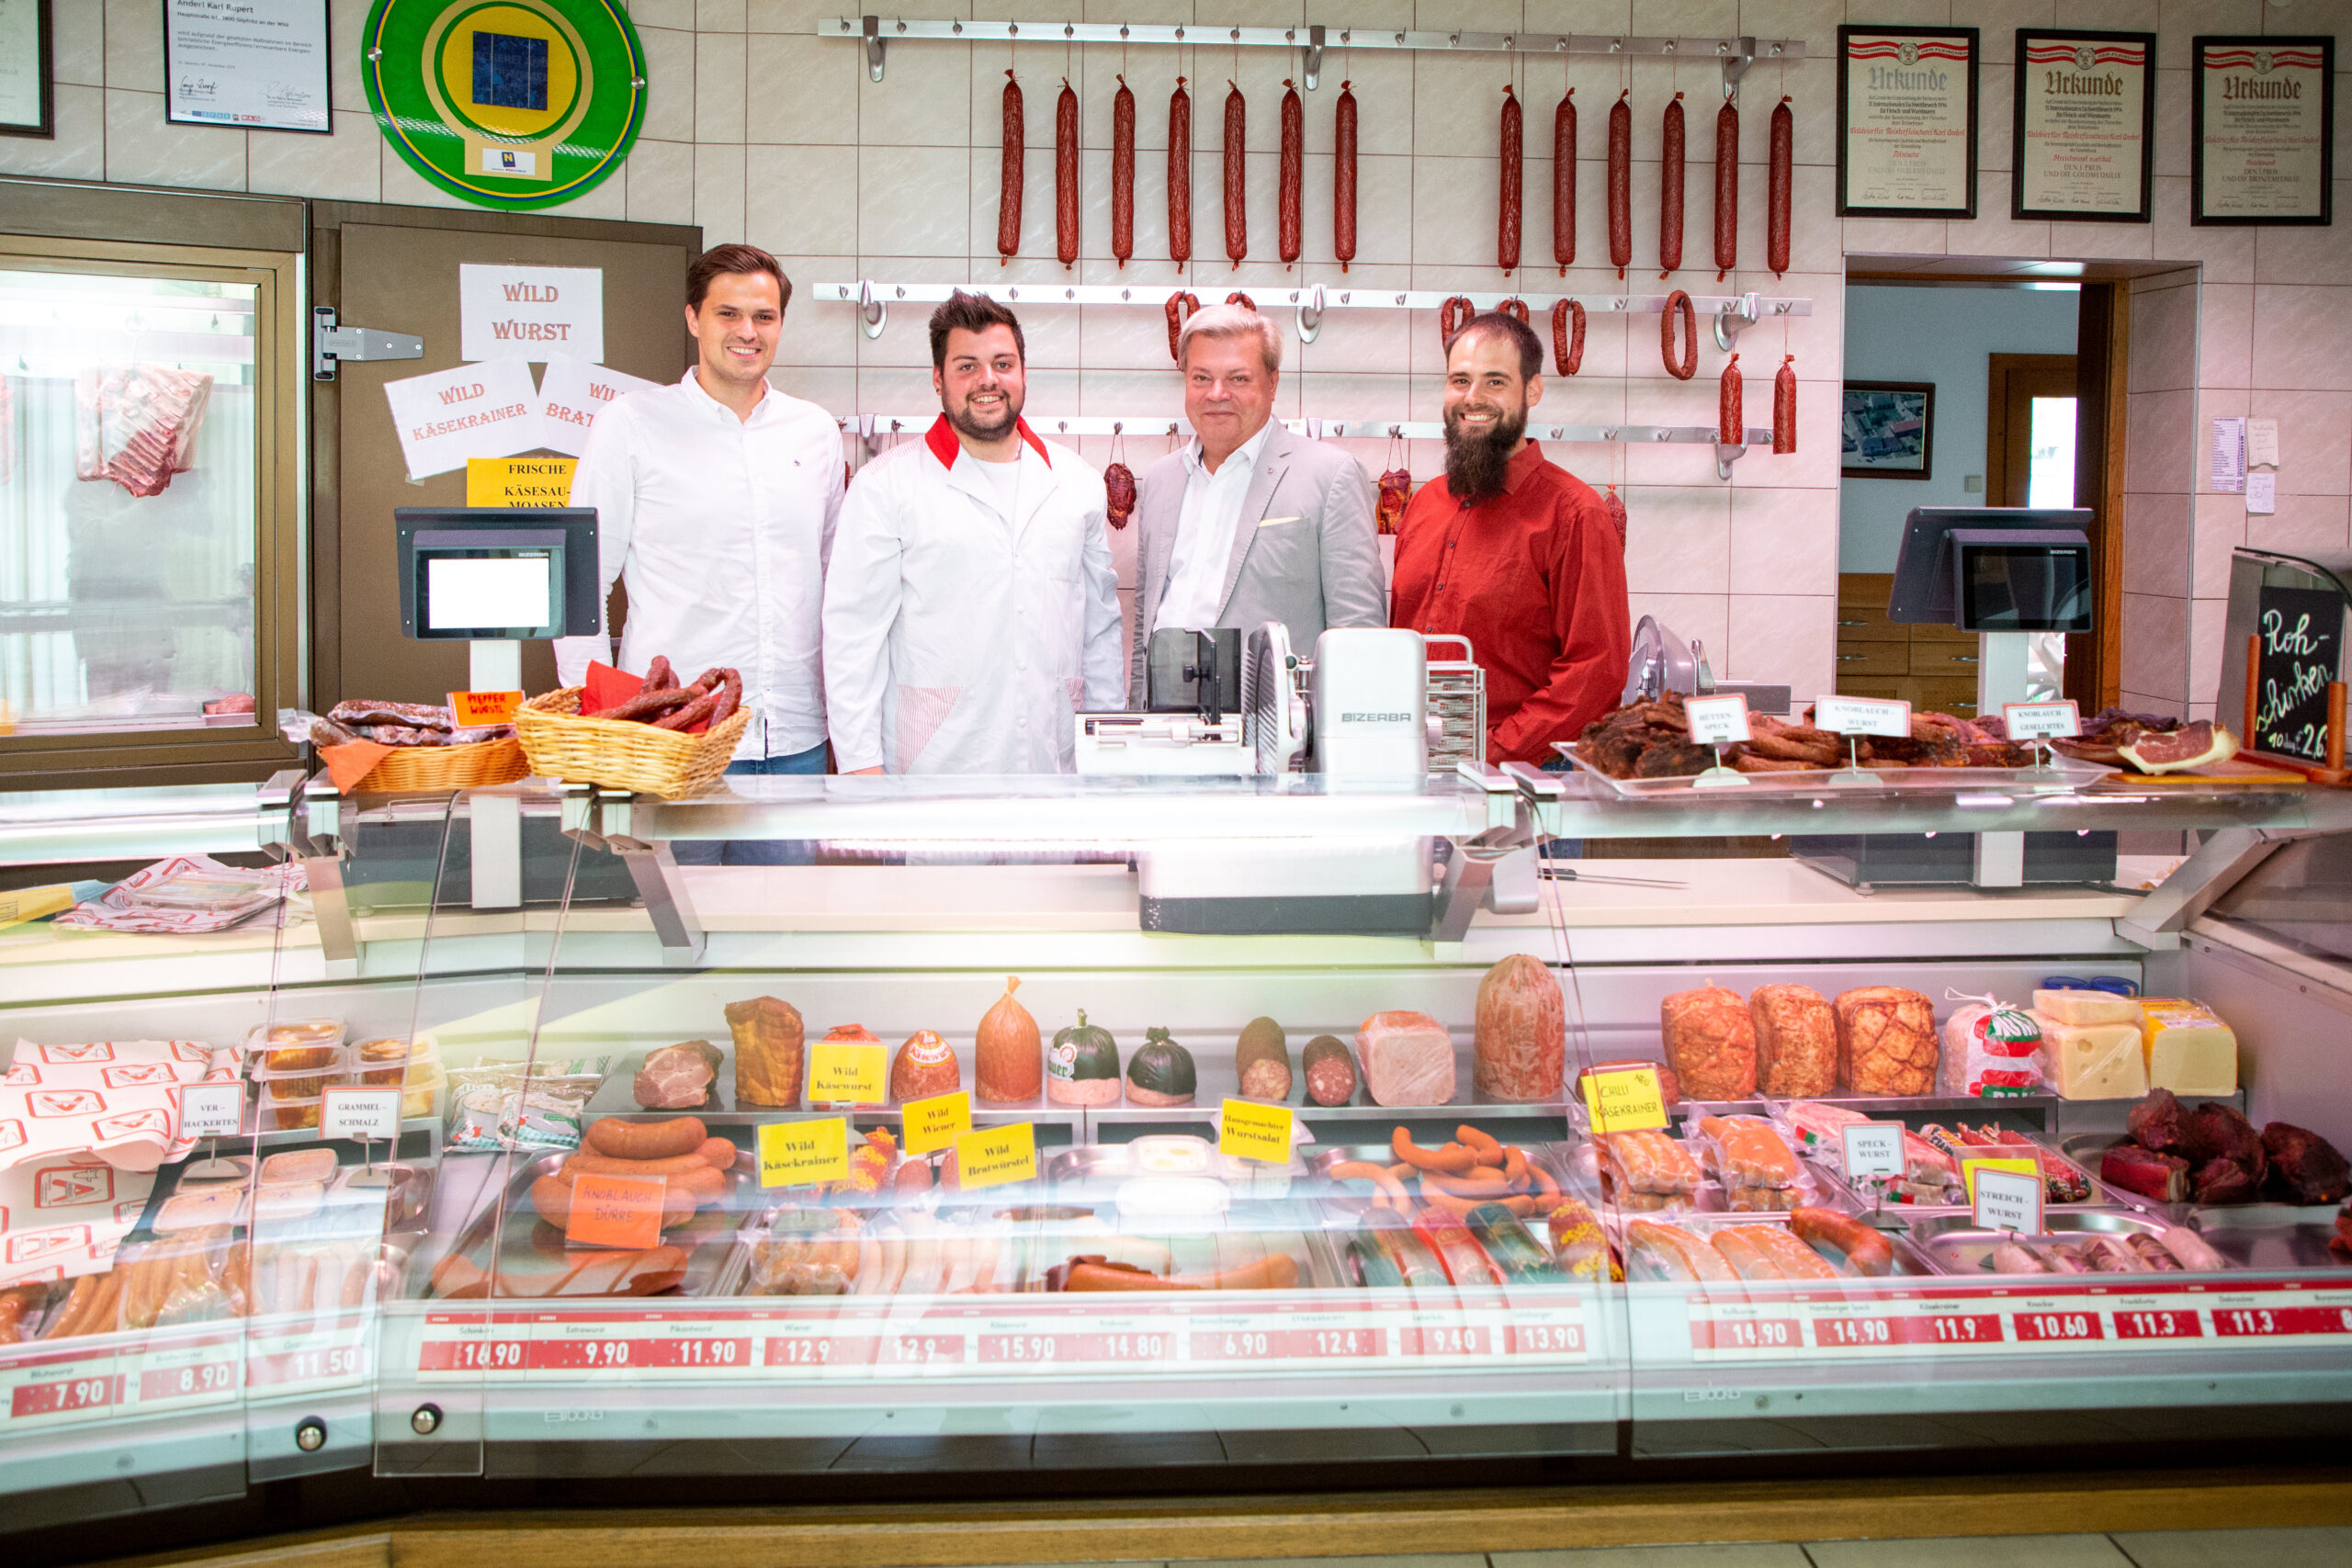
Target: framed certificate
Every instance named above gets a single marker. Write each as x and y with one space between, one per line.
2084 119
1906 122
2263 118
27 90
255 65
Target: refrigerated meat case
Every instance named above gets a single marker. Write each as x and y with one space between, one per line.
401 1309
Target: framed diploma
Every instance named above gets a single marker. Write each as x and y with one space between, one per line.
2084 119
1906 122
2262 147
26 89
254 64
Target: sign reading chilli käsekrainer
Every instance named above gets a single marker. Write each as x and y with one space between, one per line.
1906 122
2084 119
2265 118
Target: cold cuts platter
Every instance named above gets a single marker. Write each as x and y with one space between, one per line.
2064 776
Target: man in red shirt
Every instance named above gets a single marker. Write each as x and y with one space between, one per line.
1516 554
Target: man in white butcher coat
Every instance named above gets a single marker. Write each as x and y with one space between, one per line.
970 603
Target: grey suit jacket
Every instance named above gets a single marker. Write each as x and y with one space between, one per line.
1307 552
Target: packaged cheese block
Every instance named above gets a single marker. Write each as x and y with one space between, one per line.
2086 1006
1886 1041
1710 1042
2187 1049
2094 1061
1407 1059
1796 1041
768 1051
1520 1050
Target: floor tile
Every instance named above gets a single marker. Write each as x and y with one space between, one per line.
1427 1560
1972 1552
2327 1546
1746 1554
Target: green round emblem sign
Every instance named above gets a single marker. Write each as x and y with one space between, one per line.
506 103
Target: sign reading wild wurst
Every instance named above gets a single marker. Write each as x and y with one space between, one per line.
2084 121
2265 116
1906 122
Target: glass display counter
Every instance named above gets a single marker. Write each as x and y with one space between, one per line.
931 1155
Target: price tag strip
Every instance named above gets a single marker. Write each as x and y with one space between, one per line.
183 1368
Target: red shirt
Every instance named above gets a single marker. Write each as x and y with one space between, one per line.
1536 579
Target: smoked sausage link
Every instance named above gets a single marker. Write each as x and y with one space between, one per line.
1122 174
1669 192
1180 306
1343 178
1008 209
1567 336
1726 189
1179 175
1776 190
1514 155
1784 407
1448 322
1679 303
1294 161
1516 308
1237 176
1118 494
1621 184
1066 175
1564 182
1731 414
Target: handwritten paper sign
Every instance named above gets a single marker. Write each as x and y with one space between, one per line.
1873 1149
932 1125
213 1110
615 1210
526 313
1862 716
474 709
474 410
572 392
372 1115
2041 721
1716 721
1249 1129
1624 1099
2006 1200
2301 651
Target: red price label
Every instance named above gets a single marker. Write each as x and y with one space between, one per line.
185 1382
2057 1327
1467 1339
919 1350
1855 1332
1141 1345
1547 1339
2256 1323
813 1352
637 1355
1954 1328
470 1355
1298 1344
1747 1334
66 1394
2159 1322
315 1366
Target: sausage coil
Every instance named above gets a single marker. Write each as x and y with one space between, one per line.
1343 178
1776 189
1679 303
1236 177
1516 308
1726 189
1122 174
1567 336
1448 322
1731 414
1564 182
1669 192
1179 175
1514 155
1237 297
1008 209
1180 306
1294 162
1785 407
1621 184
1066 175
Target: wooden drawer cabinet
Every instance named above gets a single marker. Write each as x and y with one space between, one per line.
1871 659
1932 668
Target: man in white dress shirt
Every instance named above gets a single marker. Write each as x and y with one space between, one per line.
716 500
971 607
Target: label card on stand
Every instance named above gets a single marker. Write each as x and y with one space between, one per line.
1873 1149
2006 1200
615 1210
1716 721
1624 1099
932 1125
848 1075
994 1155
793 1154
213 1110
368 1115
1250 1130
475 709
2042 721
1862 716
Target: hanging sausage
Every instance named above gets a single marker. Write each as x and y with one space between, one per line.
1066 176
1564 182
1237 176
1776 190
1621 183
1179 175
1287 222
1122 174
1669 192
1567 336
1343 178
1008 206
1731 414
1514 155
1678 304
1785 407
1726 189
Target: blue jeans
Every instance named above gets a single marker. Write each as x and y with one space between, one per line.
757 852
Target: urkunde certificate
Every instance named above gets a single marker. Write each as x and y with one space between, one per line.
2085 118
260 64
1906 122
2264 114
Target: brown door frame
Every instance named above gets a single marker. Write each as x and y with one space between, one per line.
2011 381
2102 344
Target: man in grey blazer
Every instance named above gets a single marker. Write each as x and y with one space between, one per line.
1250 523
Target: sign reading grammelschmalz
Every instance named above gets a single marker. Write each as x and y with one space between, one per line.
2085 118
2265 116
506 103
1906 122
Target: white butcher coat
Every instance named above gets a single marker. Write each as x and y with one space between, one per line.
960 641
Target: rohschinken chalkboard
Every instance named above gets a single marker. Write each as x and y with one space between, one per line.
2300 652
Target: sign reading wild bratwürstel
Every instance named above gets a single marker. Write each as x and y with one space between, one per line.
506 103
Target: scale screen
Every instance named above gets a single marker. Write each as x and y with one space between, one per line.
2024 588
481 593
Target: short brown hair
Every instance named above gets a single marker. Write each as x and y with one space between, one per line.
734 258
973 313
1233 321
1522 337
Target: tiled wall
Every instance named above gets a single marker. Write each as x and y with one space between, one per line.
757 128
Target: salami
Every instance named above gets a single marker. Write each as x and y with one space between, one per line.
1453 316
1785 407
1066 175
1122 174
1119 494
1679 303
1179 175
1726 189
1567 336
1612 507
1776 189
1621 184
1237 297
1564 182
1180 306
1343 178
1516 308
1008 209
1287 222
1237 176
1395 489
1669 191
1514 156
1731 415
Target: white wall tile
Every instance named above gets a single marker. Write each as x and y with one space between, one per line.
675 14
144 150
800 200
2156 647
719 192
2306 254
78 150
78 43
1782 641
2156 534
670 83
1677 539
719 83
345 167
2303 525
403 187
135 45
347 20
2164 341
804 91
2314 458
661 177
1783 541
2221 528
2299 337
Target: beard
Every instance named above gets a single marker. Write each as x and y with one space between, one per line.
965 424
1476 465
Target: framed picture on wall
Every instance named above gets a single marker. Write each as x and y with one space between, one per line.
2083 120
1906 122
27 91
257 65
1887 429
2262 144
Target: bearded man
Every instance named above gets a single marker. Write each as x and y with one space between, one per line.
1516 554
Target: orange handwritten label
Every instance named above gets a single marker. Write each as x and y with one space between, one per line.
615 1210
474 709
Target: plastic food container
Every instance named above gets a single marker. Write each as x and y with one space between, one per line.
422 1088
289 1114
295 1047
292 1166
383 1063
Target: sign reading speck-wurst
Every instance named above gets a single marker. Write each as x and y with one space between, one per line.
2084 120
1906 122
2265 115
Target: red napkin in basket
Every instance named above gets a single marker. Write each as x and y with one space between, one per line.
609 688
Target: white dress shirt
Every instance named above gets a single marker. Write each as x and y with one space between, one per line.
961 637
1204 529
721 527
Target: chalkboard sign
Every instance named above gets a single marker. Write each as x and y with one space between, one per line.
2302 631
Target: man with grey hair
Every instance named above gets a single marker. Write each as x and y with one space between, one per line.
1250 523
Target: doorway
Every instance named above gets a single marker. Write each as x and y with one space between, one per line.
2029 417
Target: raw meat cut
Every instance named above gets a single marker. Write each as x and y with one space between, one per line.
2224 1181
2162 1177
2155 1122
1407 1059
677 1078
2214 1131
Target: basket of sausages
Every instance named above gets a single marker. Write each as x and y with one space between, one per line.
668 738
406 746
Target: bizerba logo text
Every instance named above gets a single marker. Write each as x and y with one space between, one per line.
1375 718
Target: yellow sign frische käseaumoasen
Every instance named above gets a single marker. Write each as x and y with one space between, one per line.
519 481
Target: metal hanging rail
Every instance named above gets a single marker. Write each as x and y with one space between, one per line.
1736 54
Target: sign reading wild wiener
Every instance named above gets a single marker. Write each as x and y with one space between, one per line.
1906 122
2264 113
2084 119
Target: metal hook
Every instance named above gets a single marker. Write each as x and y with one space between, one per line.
1726 457
874 46
1314 56
1732 317
874 312
1310 315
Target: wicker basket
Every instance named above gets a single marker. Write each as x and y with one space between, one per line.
408 768
623 754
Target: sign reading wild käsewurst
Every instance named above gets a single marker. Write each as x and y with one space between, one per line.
2264 118
2084 119
1906 122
